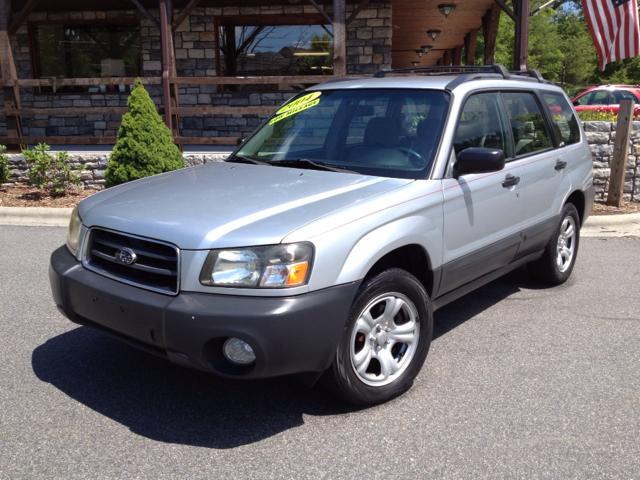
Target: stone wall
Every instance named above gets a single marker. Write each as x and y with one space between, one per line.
368 50
601 137
95 165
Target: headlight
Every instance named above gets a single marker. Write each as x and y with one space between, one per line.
278 266
75 226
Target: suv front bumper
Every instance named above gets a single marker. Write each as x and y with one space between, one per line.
288 334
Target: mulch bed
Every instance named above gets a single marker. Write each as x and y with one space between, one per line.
34 197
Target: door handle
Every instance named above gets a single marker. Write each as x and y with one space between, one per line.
560 165
510 181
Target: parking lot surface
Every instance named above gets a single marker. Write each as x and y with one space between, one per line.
522 381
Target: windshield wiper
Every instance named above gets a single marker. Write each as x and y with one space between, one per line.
307 164
251 161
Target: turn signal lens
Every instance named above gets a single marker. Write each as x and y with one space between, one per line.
297 273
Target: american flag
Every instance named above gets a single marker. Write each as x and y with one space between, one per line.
614 28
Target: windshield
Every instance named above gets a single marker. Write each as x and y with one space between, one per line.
391 133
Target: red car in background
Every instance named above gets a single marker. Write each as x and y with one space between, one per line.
607 98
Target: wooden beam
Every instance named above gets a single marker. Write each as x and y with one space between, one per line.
490 23
521 38
170 11
620 153
457 55
22 16
64 111
61 82
146 13
271 80
470 42
74 82
353 15
339 38
505 8
321 10
182 16
166 63
207 110
79 111
11 92
446 58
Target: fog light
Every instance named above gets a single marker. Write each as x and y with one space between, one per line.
238 351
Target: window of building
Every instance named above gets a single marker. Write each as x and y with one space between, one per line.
86 50
274 46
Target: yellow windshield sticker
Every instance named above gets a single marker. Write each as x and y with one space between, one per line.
295 110
300 101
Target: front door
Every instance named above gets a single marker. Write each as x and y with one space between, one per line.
482 212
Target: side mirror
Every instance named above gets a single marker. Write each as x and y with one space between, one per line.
239 141
576 103
479 160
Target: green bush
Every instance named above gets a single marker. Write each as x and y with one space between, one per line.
144 146
51 172
4 165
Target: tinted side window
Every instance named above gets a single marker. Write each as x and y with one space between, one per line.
527 123
597 97
482 124
619 95
565 123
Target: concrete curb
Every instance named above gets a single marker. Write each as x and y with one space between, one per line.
627 225
595 226
35 216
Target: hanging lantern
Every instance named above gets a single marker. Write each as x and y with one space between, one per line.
446 9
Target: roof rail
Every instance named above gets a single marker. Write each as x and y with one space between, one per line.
532 73
490 68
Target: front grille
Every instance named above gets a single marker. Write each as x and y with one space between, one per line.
156 267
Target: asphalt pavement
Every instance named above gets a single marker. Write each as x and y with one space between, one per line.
522 381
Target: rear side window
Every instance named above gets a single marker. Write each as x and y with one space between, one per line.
565 123
619 95
597 97
482 124
527 123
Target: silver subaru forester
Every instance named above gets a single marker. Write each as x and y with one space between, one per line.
324 243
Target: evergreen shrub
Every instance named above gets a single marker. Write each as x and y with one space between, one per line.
51 172
144 146
4 165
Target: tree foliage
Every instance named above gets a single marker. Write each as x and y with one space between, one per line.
561 48
144 146
52 172
4 165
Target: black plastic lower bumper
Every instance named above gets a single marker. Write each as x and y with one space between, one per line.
288 334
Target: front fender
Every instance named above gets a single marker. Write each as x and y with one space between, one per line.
412 230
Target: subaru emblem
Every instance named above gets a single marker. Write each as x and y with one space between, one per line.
126 256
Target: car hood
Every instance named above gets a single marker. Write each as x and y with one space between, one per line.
221 205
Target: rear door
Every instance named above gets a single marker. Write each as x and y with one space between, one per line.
546 159
482 212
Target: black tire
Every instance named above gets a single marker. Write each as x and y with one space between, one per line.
392 352
555 265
